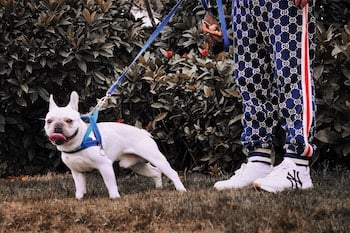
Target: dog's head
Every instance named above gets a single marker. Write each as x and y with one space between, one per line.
62 124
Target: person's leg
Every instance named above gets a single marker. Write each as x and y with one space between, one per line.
254 76
294 54
255 81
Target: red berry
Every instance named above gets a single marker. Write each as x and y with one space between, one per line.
169 54
120 120
148 126
204 52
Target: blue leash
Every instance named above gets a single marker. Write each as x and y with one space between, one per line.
148 42
205 5
222 21
92 117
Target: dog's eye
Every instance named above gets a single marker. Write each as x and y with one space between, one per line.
48 121
69 121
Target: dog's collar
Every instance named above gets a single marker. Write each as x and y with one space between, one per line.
85 144
88 141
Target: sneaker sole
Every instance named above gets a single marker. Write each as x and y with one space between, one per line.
260 188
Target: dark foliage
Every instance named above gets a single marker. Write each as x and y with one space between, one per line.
188 100
332 76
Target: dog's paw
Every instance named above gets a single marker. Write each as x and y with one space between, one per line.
158 182
79 196
181 188
114 196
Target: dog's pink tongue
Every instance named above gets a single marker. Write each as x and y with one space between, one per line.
57 137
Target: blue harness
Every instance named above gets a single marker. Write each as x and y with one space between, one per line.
87 140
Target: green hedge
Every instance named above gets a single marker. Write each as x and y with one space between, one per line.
332 76
187 101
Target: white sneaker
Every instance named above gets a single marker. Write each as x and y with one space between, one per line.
286 175
244 176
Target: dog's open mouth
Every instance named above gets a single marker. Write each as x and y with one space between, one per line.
58 138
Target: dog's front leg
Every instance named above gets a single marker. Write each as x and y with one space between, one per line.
107 173
80 184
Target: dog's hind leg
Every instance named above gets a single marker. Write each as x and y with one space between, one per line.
171 174
163 165
148 170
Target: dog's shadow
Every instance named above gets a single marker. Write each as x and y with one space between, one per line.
61 186
129 183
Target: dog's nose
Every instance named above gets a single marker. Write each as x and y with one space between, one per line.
58 129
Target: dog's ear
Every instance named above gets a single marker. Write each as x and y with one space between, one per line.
52 103
74 100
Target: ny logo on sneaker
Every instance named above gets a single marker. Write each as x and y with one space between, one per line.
294 179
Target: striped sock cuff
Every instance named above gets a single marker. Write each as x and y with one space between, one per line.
260 157
299 160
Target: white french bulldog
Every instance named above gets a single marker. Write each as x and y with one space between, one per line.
133 147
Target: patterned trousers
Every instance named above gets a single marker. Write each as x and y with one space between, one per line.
274 48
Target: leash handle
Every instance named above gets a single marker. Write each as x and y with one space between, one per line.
221 19
144 48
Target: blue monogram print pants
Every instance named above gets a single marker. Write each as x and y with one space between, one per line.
274 48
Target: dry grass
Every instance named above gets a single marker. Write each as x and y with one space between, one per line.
47 204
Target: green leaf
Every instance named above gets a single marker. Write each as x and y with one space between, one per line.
106 52
21 102
34 96
346 149
42 61
25 88
67 60
328 136
161 116
157 105
29 68
346 73
13 81
43 93
82 66
237 118
10 63
64 53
